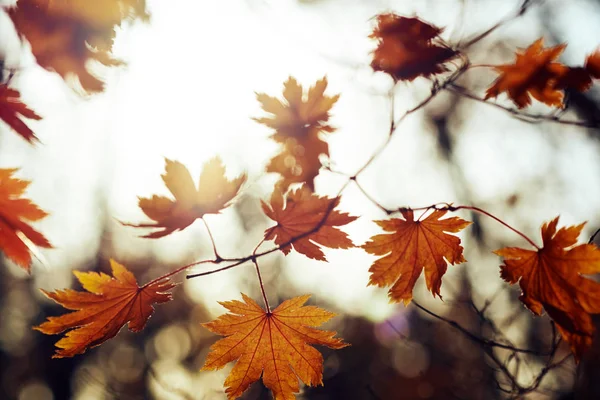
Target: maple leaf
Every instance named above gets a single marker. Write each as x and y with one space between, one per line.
551 278
536 74
65 35
275 344
11 110
592 64
302 212
214 193
108 304
16 235
407 48
411 247
298 120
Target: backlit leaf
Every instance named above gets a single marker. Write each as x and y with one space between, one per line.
214 192
12 110
551 278
411 247
299 120
300 213
108 304
66 34
592 64
16 235
276 345
535 73
408 48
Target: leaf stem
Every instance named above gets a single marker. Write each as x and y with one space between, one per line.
450 207
487 214
178 270
212 240
262 286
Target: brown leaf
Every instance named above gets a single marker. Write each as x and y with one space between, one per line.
411 247
66 35
592 64
275 344
408 48
16 235
574 78
214 193
534 74
298 121
108 304
551 278
12 110
302 212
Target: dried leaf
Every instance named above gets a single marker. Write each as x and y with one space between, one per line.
592 64
12 110
551 278
108 304
302 212
411 247
298 121
275 344
16 235
408 48
65 35
214 193
534 73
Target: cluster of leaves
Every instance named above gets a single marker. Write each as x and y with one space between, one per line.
277 344
535 73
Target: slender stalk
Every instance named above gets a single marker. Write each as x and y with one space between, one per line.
262 286
450 207
178 270
212 240
482 211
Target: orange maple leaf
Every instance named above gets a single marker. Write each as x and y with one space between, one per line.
108 304
16 235
11 111
551 278
298 121
536 74
65 35
411 247
592 64
408 48
303 212
214 193
275 344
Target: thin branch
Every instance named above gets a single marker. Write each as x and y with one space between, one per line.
472 336
212 240
521 115
521 11
262 286
450 207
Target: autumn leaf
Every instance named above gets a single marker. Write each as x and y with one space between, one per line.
592 64
12 110
551 278
298 121
214 193
16 235
536 74
108 304
66 35
408 48
303 212
276 345
411 247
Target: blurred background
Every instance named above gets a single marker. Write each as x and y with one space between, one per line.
188 93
